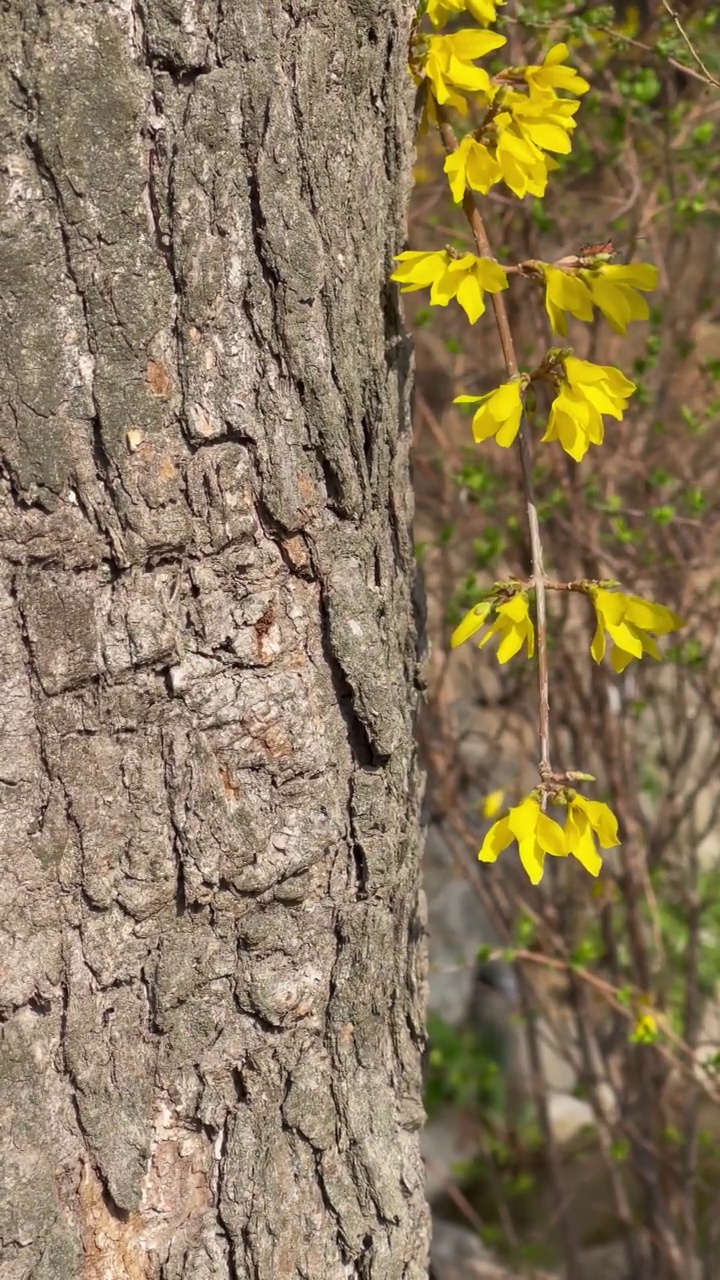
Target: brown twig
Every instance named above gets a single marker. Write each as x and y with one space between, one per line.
484 248
693 51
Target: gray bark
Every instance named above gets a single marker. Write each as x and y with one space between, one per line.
212 980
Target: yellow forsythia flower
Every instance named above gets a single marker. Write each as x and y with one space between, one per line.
628 621
512 145
520 165
544 121
499 413
483 11
512 624
646 1030
551 75
450 64
586 392
524 130
466 278
587 819
613 288
493 803
564 291
523 167
535 833
471 165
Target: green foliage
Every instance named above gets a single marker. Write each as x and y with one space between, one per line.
690 653
588 950
466 1068
481 482
488 547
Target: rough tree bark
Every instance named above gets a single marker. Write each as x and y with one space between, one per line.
212 952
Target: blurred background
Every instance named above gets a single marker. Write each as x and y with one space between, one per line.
573 1076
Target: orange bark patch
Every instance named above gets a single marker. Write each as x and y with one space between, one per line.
158 379
296 551
306 489
230 786
112 1247
177 1200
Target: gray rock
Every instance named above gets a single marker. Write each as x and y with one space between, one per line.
458 1254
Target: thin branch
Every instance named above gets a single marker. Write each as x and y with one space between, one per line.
477 226
646 48
693 51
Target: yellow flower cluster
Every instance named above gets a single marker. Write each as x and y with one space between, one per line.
584 392
521 130
512 624
464 277
611 287
586 822
499 413
483 11
450 65
628 621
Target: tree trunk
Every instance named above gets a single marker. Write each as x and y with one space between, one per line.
212 957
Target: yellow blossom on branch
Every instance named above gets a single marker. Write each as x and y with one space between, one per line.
483 11
586 821
536 835
466 278
611 287
450 65
551 75
628 622
471 165
513 145
586 392
512 624
587 824
523 167
565 292
646 1030
499 413
545 121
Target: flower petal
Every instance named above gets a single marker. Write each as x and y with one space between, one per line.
472 622
497 839
470 298
523 818
551 836
532 857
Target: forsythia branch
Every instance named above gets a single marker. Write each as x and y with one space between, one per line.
524 122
